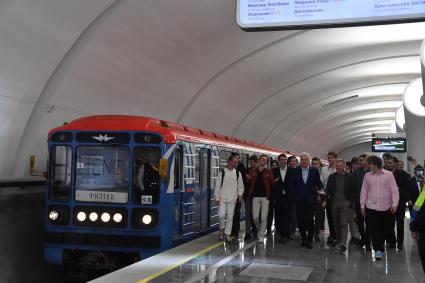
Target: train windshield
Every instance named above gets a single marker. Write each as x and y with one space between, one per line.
102 174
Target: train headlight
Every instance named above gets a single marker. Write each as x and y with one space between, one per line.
147 219
105 217
81 216
53 215
117 217
93 216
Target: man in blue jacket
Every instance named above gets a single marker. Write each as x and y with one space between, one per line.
304 183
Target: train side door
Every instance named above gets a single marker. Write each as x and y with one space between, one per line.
204 188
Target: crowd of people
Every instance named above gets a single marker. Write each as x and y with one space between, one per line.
367 198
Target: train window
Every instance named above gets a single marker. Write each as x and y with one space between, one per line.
244 159
102 174
60 176
146 181
178 166
224 154
223 158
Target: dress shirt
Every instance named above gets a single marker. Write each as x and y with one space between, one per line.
283 175
324 174
379 191
305 174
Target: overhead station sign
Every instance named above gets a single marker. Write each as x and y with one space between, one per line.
389 145
296 14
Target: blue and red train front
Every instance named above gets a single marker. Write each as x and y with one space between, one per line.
105 195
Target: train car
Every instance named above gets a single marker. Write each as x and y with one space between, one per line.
131 185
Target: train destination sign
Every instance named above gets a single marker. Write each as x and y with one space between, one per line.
298 14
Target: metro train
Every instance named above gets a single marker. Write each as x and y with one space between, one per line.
131 185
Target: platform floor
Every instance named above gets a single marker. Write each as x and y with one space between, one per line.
273 262
202 260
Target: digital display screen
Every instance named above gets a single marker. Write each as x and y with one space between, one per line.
286 14
389 145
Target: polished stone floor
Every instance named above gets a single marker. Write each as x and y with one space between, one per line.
21 219
275 262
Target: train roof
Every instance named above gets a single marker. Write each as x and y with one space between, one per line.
171 132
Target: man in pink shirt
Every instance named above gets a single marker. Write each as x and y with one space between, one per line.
378 201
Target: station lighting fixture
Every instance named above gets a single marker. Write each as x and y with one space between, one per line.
147 219
53 215
81 216
93 216
413 98
117 217
399 117
105 217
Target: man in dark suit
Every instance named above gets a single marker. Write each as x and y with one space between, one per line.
283 198
403 183
416 184
340 190
304 183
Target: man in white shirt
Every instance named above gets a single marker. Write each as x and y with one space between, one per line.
324 176
228 190
283 198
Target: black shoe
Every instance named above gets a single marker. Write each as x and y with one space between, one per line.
368 249
342 248
316 238
330 240
309 245
391 246
247 237
400 247
360 243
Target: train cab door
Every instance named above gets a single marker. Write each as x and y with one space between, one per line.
203 194
178 193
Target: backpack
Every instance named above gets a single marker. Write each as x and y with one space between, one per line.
222 176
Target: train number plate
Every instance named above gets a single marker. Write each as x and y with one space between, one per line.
146 199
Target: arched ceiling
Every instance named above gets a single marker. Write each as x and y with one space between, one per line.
187 61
